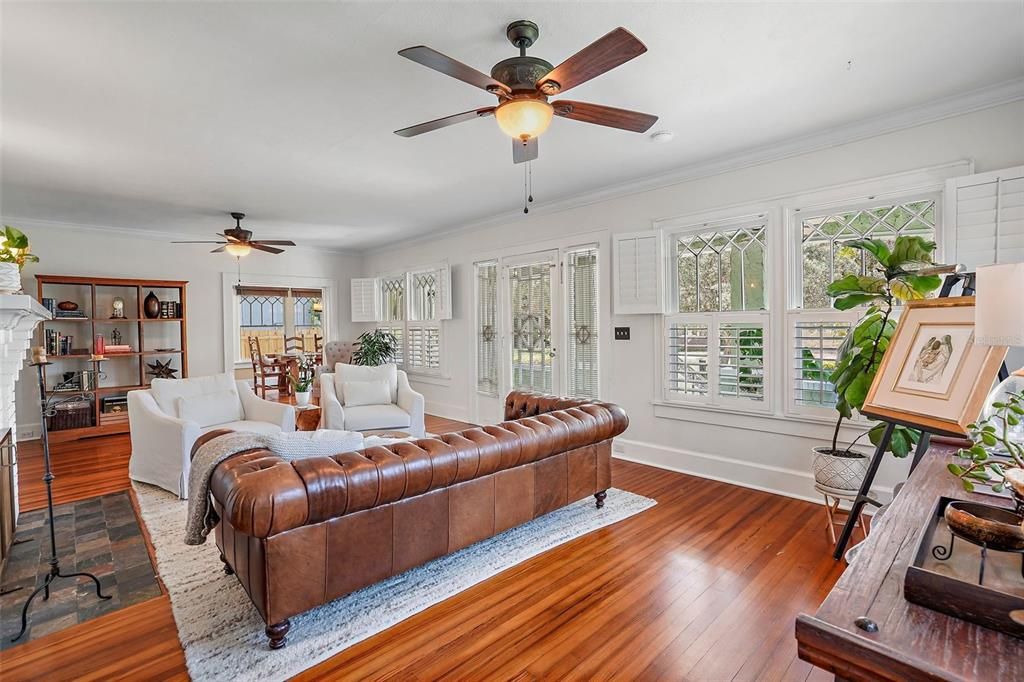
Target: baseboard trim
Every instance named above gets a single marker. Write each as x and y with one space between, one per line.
781 481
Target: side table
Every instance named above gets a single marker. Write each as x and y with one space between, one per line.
307 418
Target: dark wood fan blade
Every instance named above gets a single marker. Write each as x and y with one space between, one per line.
209 241
219 250
602 55
524 152
432 59
604 116
268 249
274 242
421 128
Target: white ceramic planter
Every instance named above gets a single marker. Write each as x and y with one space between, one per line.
302 398
841 473
10 278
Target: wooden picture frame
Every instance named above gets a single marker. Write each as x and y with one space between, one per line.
933 376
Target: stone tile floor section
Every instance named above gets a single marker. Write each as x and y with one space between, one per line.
100 535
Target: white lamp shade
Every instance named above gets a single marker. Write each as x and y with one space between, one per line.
999 305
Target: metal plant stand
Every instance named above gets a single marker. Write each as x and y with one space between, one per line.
48 405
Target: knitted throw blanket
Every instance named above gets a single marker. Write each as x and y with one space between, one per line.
202 518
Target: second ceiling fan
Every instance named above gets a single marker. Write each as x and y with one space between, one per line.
523 84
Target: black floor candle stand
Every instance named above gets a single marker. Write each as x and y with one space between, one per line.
48 409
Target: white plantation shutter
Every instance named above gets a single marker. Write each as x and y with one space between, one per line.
487 328
399 333
582 290
814 349
637 264
423 348
688 371
741 360
364 299
986 215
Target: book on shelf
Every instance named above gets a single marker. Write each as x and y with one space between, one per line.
70 315
170 309
110 349
50 304
61 344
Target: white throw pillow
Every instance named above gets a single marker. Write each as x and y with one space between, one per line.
320 443
344 373
210 409
366 393
167 391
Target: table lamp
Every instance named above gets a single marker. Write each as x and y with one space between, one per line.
999 321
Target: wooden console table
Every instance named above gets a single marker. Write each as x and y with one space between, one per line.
912 642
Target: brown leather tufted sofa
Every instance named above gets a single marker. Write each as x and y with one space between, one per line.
301 533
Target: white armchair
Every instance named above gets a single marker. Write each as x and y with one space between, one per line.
166 420
405 410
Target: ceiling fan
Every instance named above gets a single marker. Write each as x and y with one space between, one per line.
239 242
523 84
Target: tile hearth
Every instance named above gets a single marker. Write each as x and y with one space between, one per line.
100 535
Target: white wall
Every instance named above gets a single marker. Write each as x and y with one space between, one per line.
76 250
769 453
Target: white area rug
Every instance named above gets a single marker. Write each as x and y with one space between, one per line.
222 634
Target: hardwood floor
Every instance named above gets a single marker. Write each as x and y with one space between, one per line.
704 586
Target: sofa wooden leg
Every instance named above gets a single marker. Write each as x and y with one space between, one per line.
599 496
227 567
276 634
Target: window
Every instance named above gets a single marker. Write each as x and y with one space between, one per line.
408 306
487 328
716 344
581 291
823 257
270 314
814 346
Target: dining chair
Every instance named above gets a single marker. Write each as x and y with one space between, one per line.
265 369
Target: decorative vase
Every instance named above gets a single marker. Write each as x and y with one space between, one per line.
838 472
302 398
67 306
10 278
151 306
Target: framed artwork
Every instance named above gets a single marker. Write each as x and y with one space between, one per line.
933 376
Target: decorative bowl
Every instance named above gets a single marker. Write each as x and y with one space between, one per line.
67 305
995 527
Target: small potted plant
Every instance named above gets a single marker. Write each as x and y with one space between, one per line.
375 347
994 451
894 277
302 382
14 253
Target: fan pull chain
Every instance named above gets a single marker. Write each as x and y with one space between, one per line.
526 209
529 166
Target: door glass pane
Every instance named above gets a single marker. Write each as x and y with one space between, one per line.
530 299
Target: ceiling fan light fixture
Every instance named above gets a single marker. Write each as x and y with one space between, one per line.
524 119
238 250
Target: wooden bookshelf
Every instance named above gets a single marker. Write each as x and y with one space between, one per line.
123 371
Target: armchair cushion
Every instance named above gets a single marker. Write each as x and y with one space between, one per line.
370 417
366 393
388 373
167 391
208 409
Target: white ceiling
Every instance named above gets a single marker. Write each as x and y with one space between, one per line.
165 116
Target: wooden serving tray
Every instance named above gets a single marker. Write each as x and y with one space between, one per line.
951 585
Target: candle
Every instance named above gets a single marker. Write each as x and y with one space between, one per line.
39 354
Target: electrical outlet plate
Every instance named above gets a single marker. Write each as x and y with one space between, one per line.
622 333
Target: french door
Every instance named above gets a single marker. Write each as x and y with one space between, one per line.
536 326
532 315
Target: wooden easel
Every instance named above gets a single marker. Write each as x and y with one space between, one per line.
863 496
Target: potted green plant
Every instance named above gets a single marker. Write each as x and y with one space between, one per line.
375 347
897 274
995 450
14 253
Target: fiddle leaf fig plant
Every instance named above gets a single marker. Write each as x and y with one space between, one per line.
375 347
15 248
893 278
992 436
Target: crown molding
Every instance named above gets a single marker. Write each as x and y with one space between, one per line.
135 233
911 117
